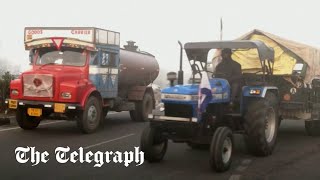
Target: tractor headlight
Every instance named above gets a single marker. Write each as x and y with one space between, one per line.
66 95
255 92
15 92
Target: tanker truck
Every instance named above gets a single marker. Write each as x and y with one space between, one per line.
81 74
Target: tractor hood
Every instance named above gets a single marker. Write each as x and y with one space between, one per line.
219 87
189 89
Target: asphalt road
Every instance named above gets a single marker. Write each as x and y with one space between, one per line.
297 156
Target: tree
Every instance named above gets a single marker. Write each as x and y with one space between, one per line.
5 87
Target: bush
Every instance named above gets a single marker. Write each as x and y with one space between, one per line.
5 88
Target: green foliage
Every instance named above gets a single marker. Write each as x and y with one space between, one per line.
5 87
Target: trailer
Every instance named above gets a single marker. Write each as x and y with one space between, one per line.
296 74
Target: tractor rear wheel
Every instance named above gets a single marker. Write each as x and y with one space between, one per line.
261 125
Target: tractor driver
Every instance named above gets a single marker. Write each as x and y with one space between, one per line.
231 71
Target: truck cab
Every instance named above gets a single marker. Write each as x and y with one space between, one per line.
74 74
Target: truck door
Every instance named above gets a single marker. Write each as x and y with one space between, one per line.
104 73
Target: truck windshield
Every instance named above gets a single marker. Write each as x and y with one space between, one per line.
65 56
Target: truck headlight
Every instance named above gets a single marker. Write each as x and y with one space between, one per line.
66 95
255 92
14 92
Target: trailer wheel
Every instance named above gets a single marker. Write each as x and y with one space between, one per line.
143 108
261 125
90 118
25 121
153 145
221 149
312 127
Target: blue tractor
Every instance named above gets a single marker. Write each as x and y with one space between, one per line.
178 117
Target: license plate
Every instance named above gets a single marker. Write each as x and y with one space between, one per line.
59 108
13 104
34 112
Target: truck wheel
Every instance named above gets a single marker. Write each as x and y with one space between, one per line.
89 119
25 121
261 125
221 149
153 145
143 108
312 127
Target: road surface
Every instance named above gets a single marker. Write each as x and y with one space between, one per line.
297 156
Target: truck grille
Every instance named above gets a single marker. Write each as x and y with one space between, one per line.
37 85
178 110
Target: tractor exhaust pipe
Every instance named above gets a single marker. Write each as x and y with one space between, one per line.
180 73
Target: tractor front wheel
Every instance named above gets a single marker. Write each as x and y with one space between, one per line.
221 149
153 145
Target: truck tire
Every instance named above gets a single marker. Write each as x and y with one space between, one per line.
261 125
25 121
221 149
312 127
90 118
153 145
143 108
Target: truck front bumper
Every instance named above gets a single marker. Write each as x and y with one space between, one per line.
13 104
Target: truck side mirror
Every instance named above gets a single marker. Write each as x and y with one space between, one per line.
171 76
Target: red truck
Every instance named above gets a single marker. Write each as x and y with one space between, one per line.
81 73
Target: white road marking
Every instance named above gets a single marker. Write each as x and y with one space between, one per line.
113 113
14 128
241 168
235 177
108 141
246 161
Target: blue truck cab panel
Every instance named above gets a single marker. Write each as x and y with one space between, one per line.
104 70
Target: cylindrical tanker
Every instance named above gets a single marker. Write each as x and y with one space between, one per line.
137 68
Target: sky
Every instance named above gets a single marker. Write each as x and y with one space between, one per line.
157 25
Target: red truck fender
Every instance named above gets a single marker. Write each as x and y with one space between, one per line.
91 92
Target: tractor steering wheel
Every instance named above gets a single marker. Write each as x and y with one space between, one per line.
195 69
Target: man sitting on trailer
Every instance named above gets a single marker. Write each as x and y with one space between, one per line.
231 71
